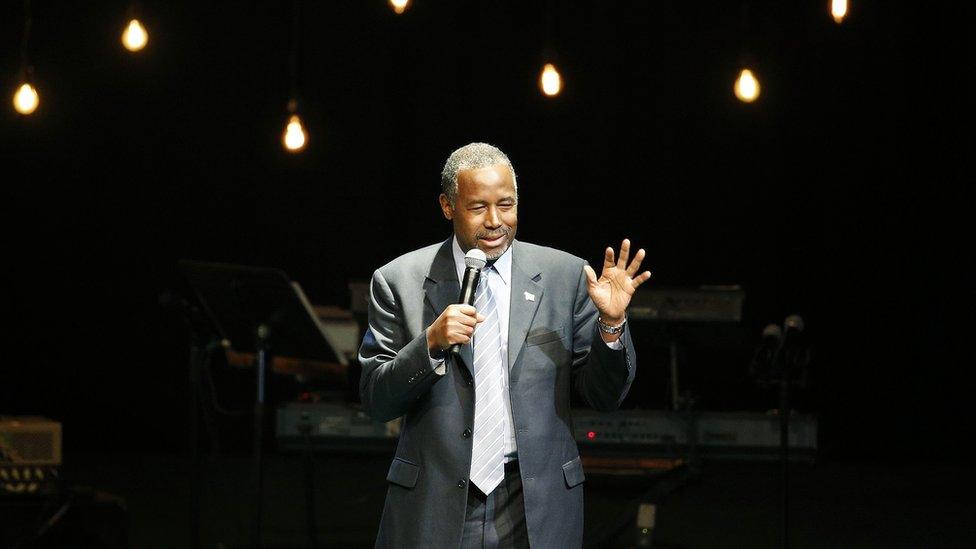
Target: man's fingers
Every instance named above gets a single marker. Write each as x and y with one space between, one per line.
608 258
480 318
466 320
468 310
624 254
644 277
635 264
590 274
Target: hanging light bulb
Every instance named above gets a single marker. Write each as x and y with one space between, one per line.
295 137
838 8
550 81
399 6
134 37
746 86
26 99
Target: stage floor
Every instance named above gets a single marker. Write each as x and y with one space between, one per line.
840 504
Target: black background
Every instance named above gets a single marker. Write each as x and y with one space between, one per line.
842 194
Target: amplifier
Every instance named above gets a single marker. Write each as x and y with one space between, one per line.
701 304
333 426
715 435
30 455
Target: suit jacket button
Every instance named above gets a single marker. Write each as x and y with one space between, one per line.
470 383
466 433
462 483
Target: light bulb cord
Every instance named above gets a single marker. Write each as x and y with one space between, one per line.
293 56
25 66
135 8
549 51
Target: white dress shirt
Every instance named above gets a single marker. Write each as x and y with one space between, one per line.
500 283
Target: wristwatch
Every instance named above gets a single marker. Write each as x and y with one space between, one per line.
608 329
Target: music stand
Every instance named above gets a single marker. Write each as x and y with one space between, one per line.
259 310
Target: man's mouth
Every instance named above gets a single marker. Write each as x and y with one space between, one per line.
492 240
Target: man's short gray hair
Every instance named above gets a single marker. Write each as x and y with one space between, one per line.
473 156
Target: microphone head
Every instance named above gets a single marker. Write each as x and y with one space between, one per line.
794 322
772 330
475 259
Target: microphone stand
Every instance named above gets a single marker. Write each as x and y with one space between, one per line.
204 342
782 358
263 359
792 361
784 450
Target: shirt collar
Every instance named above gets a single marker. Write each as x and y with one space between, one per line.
502 265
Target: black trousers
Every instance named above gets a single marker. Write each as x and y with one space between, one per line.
497 519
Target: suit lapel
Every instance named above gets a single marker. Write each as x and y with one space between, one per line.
526 278
441 289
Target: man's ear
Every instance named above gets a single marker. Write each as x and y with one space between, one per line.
446 207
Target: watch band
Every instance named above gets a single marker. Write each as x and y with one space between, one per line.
608 329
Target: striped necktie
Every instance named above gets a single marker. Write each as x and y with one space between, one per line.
487 454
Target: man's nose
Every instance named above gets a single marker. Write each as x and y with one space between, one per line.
493 220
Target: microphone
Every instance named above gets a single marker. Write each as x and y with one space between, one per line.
782 354
794 351
793 323
474 261
765 355
792 328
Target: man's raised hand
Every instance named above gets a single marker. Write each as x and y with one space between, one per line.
611 293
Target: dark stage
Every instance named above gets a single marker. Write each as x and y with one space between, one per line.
840 194
836 504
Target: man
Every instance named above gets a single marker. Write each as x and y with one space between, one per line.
486 456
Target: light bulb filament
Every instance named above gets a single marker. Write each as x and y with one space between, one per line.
399 6
838 9
550 81
746 86
135 37
26 99
294 138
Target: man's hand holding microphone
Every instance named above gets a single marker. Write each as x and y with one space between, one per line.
455 326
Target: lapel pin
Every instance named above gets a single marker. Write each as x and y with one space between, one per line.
529 297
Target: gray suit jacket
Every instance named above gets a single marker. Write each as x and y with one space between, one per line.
553 345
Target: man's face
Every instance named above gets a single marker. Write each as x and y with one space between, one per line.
485 213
